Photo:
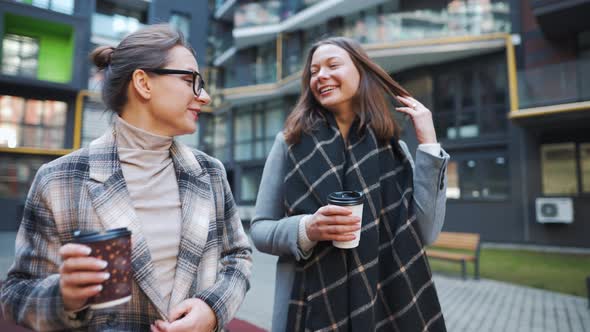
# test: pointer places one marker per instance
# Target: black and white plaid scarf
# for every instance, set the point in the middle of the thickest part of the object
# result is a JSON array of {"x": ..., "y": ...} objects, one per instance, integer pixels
[{"x": 385, "y": 283}]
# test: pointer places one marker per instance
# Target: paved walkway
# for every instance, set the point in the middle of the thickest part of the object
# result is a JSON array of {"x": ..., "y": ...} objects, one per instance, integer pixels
[
  {"x": 488, "y": 305},
  {"x": 470, "y": 305}
]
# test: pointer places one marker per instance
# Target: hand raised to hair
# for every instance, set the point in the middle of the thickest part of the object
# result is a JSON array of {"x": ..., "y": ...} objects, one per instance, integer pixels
[{"x": 421, "y": 118}]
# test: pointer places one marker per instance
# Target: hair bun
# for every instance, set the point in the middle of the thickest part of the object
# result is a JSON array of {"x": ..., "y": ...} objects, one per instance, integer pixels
[{"x": 102, "y": 56}]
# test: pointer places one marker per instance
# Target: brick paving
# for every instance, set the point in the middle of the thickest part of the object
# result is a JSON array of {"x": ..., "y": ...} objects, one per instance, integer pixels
[
  {"x": 470, "y": 305},
  {"x": 488, "y": 305}
]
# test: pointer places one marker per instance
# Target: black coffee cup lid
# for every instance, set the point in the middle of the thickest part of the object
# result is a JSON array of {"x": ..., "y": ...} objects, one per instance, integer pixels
[
  {"x": 346, "y": 198},
  {"x": 88, "y": 237}
]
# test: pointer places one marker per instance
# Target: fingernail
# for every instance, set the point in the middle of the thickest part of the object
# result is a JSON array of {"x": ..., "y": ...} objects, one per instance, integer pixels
[
  {"x": 106, "y": 275},
  {"x": 87, "y": 250},
  {"x": 103, "y": 264},
  {"x": 98, "y": 287}
]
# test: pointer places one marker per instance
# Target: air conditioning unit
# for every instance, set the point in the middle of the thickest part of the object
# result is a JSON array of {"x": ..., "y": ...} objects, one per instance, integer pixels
[{"x": 554, "y": 210}]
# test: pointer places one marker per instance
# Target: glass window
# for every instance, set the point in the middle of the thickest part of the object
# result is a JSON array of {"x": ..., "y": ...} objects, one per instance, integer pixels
[
  {"x": 220, "y": 136},
  {"x": 62, "y": 6},
  {"x": 206, "y": 128},
  {"x": 484, "y": 178},
  {"x": 471, "y": 101},
  {"x": 243, "y": 136},
  {"x": 95, "y": 120},
  {"x": 584, "y": 44},
  {"x": 249, "y": 182},
  {"x": 273, "y": 125},
  {"x": 259, "y": 152},
  {"x": 17, "y": 173},
  {"x": 255, "y": 130},
  {"x": 182, "y": 23},
  {"x": 33, "y": 112},
  {"x": 10, "y": 135},
  {"x": 496, "y": 184},
  {"x": 453, "y": 190},
  {"x": 191, "y": 140},
  {"x": 20, "y": 55},
  {"x": 32, "y": 123},
  {"x": 470, "y": 179},
  {"x": 585, "y": 166},
  {"x": 446, "y": 104},
  {"x": 11, "y": 109},
  {"x": 252, "y": 13},
  {"x": 558, "y": 164}
]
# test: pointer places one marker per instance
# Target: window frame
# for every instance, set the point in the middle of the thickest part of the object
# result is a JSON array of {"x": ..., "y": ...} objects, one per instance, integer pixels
[
  {"x": 456, "y": 69},
  {"x": 490, "y": 154},
  {"x": 580, "y": 192},
  {"x": 21, "y": 40}
]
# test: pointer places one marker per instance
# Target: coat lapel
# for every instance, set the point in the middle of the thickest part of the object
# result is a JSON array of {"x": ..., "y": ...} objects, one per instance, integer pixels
[
  {"x": 112, "y": 202},
  {"x": 197, "y": 204}
]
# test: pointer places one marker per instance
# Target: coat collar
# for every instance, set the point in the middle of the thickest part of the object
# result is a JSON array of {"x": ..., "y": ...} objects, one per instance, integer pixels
[{"x": 112, "y": 202}]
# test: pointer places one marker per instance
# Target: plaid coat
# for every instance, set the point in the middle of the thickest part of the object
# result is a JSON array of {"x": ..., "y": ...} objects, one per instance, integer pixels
[{"x": 86, "y": 190}]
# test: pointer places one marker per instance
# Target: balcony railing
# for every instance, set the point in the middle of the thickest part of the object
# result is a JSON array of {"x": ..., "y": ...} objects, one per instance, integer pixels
[
  {"x": 61, "y": 6},
  {"x": 560, "y": 83},
  {"x": 256, "y": 73},
  {"x": 114, "y": 27},
  {"x": 460, "y": 18},
  {"x": 221, "y": 43},
  {"x": 257, "y": 13}
]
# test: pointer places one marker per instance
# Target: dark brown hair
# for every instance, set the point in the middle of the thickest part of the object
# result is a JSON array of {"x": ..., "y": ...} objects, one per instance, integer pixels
[
  {"x": 372, "y": 107},
  {"x": 145, "y": 48}
]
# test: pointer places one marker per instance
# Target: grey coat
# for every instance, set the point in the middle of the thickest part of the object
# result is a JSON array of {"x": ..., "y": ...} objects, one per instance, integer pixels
[{"x": 274, "y": 233}]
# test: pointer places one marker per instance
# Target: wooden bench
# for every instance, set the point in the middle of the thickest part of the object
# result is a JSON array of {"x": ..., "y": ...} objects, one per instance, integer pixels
[{"x": 451, "y": 240}]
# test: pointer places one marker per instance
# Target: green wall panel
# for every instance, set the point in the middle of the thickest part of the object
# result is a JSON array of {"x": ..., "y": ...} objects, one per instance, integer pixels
[{"x": 56, "y": 45}]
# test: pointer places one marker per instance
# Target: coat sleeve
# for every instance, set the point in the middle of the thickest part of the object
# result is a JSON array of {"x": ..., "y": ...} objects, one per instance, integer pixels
[
  {"x": 227, "y": 293},
  {"x": 31, "y": 296},
  {"x": 430, "y": 187},
  {"x": 271, "y": 231}
]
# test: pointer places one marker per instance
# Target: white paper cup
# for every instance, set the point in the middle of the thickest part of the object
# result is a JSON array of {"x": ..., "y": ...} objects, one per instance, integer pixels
[{"x": 352, "y": 200}]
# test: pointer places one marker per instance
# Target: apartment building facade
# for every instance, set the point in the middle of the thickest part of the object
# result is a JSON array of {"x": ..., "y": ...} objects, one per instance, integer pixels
[
  {"x": 483, "y": 67},
  {"x": 48, "y": 104}
]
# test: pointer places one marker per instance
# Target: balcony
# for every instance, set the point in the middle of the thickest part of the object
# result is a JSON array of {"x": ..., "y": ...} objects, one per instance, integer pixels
[
  {"x": 459, "y": 19},
  {"x": 109, "y": 30},
  {"x": 61, "y": 6},
  {"x": 222, "y": 47},
  {"x": 562, "y": 83},
  {"x": 559, "y": 18},
  {"x": 259, "y": 22},
  {"x": 395, "y": 39},
  {"x": 253, "y": 74},
  {"x": 224, "y": 9},
  {"x": 35, "y": 50}
]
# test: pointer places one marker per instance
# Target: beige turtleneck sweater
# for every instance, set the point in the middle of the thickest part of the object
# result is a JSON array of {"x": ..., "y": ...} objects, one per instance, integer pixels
[{"x": 151, "y": 181}]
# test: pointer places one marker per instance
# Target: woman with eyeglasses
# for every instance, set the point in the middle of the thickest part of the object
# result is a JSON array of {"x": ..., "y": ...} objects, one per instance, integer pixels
[{"x": 190, "y": 257}]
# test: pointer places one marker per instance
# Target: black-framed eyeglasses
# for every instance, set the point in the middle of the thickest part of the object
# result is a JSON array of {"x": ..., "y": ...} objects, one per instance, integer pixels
[{"x": 198, "y": 83}]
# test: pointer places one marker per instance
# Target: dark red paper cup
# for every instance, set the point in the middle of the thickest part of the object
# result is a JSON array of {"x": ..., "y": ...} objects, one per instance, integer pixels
[{"x": 114, "y": 247}]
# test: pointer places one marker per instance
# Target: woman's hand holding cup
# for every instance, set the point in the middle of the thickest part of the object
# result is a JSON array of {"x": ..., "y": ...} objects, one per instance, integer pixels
[
  {"x": 332, "y": 223},
  {"x": 81, "y": 275}
]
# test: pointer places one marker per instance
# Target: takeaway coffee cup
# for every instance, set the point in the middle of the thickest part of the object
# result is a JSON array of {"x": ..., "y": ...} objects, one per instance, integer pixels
[
  {"x": 354, "y": 201},
  {"x": 114, "y": 247}
]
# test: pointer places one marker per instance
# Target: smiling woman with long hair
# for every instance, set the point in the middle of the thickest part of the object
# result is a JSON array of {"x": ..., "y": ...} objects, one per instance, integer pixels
[
  {"x": 341, "y": 137},
  {"x": 190, "y": 256}
]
